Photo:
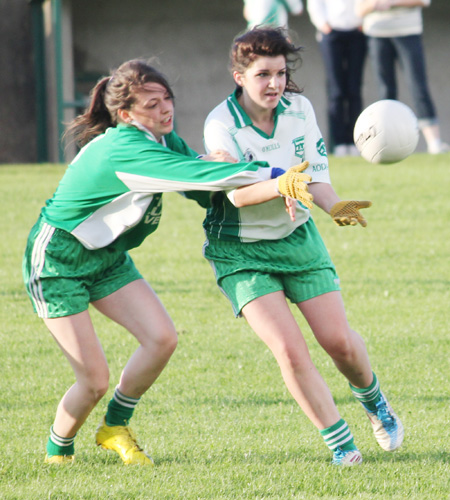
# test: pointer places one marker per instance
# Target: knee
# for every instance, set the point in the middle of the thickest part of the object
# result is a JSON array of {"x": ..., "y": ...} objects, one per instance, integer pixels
[
  {"x": 166, "y": 341},
  {"x": 343, "y": 347},
  {"x": 97, "y": 384},
  {"x": 293, "y": 358},
  {"x": 170, "y": 341},
  {"x": 94, "y": 391},
  {"x": 100, "y": 388}
]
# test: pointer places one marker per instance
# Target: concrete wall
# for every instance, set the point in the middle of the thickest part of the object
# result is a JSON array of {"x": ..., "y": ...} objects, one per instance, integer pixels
[
  {"x": 17, "y": 86},
  {"x": 191, "y": 39}
]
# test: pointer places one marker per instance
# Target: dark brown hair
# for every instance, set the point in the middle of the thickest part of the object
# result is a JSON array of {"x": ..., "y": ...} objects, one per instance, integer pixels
[
  {"x": 110, "y": 94},
  {"x": 261, "y": 41}
]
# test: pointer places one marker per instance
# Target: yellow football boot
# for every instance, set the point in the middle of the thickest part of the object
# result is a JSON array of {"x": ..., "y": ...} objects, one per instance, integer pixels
[
  {"x": 122, "y": 440},
  {"x": 59, "y": 459}
]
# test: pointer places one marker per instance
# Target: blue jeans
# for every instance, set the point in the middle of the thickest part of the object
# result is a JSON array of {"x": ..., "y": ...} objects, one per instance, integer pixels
[
  {"x": 408, "y": 50},
  {"x": 344, "y": 54}
]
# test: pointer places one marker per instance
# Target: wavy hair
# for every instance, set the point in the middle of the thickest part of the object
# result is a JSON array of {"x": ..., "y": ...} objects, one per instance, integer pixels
[{"x": 262, "y": 41}]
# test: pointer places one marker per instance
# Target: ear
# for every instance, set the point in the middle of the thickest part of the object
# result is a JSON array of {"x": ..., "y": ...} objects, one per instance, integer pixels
[
  {"x": 238, "y": 78},
  {"x": 124, "y": 115}
]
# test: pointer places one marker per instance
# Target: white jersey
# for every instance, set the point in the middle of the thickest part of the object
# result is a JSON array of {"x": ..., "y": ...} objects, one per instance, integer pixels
[
  {"x": 339, "y": 14},
  {"x": 296, "y": 138}
]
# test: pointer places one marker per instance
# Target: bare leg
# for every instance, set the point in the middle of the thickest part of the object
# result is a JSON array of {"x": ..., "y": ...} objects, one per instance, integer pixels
[
  {"x": 272, "y": 320},
  {"x": 326, "y": 316},
  {"x": 77, "y": 339},
  {"x": 137, "y": 308}
]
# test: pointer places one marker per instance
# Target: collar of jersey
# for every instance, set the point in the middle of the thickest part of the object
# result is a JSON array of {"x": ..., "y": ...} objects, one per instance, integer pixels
[
  {"x": 241, "y": 118},
  {"x": 146, "y": 131}
]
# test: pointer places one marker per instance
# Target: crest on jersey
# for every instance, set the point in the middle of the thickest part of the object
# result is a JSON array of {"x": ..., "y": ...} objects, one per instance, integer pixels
[
  {"x": 299, "y": 145},
  {"x": 249, "y": 155},
  {"x": 321, "y": 149}
]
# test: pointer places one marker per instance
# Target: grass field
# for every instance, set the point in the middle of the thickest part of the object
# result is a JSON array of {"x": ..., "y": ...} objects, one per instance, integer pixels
[{"x": 219, "y": 422}]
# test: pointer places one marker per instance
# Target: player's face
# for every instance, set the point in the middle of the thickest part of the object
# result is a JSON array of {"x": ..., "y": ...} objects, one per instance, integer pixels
[
  {"x": 153, "y": 109},
  {"x": 264, "y": 81}
]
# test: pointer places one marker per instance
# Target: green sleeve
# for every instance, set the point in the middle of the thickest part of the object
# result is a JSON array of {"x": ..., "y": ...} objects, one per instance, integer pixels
[
  {"x": 146, "y": 166},
  {"x": 176, "y": 143}
]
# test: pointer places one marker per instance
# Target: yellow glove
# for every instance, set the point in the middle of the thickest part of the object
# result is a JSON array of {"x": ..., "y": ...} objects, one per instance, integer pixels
[
  {"x": 345, "y": 213},
  {"x": 293, "y": 184}
]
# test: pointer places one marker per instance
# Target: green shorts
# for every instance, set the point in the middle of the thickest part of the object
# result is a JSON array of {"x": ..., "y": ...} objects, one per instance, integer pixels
[
  {"x": 298, "y": 264},
  {"x": 62, "y": 276}
]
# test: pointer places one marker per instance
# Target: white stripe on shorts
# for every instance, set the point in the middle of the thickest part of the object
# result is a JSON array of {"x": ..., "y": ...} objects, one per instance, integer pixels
[{"x": 37, "y": 264}]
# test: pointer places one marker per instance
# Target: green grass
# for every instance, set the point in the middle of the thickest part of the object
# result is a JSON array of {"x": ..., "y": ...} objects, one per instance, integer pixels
[{"x": 219, "y": 422}]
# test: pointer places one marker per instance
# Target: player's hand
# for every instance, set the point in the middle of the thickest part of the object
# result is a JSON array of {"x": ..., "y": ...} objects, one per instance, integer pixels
[
  {"x": 291, "y": 206},
  {"x": 346, "y": 213},
  {"x": 293, "y": 184},
  {"x": 219, "y": 155}
]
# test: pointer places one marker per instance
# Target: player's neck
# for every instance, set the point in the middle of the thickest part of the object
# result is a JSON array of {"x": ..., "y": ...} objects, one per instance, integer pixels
[{"x": 260, "y": 117}]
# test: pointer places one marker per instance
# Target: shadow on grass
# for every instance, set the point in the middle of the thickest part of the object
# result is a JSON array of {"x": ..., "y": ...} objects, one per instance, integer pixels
[
  {"x": 411, "y": 457},
  {"x": 302, "y": 456},
  {"x": 229, "y": 402},
  {"x": 244, "y": 458}
]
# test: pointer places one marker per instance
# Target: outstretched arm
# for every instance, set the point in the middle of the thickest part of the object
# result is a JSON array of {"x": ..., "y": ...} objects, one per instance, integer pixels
[
  {"x": 343, "y": 213},
  {"x": 256, "y": 193},
  {"x": 291, "y": 184},
  {"x": 324, "y": 195}
]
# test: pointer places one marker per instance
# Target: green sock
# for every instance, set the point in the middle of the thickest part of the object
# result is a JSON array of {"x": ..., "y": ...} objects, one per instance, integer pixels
[
  {"x": 57, "y": 445},
  {"x": 339, "y": 435},
  {"x": 120, "y": 409},
  {"x": 368, "y": 396}
]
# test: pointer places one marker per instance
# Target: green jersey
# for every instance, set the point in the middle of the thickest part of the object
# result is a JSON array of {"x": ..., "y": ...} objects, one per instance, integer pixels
[
  {"x": 111, "y": 192},
  {"x": 295, "y": 138},
  {"x": 271, "y": 12}
]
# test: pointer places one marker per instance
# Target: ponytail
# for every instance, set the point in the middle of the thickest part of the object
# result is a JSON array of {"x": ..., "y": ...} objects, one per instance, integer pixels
[{"x": 95, "y": 120}]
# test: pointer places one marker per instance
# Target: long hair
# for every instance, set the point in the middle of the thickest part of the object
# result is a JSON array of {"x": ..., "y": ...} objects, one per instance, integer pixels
[
  {"x": 110, "y": 94},
  {"x": 262, "y": 41}
]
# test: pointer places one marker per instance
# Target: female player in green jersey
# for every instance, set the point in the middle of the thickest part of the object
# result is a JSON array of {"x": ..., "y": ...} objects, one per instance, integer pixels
[
  {"x": 107, "y": 202},
  {"x": 262, "y": 255}
]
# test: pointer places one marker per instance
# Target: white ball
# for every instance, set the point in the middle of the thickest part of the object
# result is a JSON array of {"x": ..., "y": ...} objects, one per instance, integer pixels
[{"x": 386, "y": 132}]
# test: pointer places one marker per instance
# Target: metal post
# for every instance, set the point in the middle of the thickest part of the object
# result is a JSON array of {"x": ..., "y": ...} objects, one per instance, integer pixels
[
  {"x": 56, "y": 26},
  {"x": 37, "y": 20}
]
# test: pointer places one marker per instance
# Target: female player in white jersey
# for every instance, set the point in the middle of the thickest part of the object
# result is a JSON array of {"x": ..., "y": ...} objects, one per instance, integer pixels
[
  {"x": 108, "y": 201},
  {"x": 262, "y": 255}
]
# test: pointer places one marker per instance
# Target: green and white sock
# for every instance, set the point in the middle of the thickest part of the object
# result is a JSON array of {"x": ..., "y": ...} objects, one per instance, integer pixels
[
  {"x": 368, "y": 396},
  {"x": 57, "y": 445},
  {"x": 338, "y": 435},
  {"x": 120, "y": 409}
]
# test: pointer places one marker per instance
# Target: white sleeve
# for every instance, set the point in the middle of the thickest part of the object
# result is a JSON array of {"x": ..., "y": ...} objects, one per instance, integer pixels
[
  {"x": 317, "y": 12},
  {"x": 230, "y": 195},
  {"x": 216, "y": 136}
]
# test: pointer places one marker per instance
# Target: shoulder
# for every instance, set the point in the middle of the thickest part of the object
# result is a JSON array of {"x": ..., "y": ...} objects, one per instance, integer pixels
[
  {"x": 220, "y": 113},
  {"x": 296, "y": 105},
  {"x": 297, "y": 101}
]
